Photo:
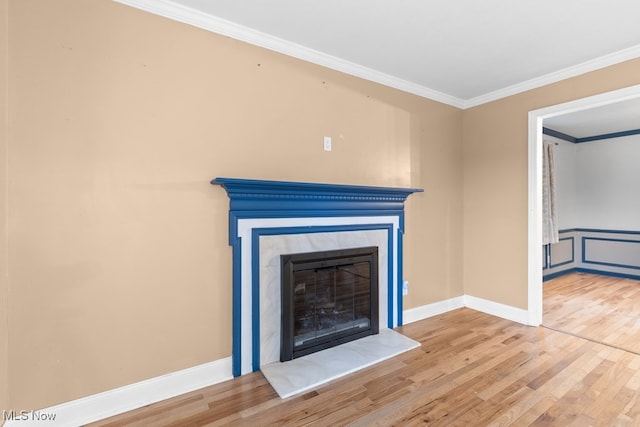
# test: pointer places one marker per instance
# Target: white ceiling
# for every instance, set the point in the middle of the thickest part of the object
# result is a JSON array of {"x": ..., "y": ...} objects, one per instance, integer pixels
[{"x": 460, "y": 52}]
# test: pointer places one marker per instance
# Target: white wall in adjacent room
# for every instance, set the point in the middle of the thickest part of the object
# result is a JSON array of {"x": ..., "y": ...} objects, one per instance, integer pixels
[
  {"x": 608, "y": 184},
  {"x": 598, "y": 184}
]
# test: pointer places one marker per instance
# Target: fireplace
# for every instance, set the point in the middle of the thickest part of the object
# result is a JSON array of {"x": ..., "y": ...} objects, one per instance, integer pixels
[
  {"x": 271, "y": 218},
  {"x": 328, "y": 298}
]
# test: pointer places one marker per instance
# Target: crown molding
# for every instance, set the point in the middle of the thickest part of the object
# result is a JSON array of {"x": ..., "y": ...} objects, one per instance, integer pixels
[
  {"x": 196, "y": 18},
  {"x": 177, "y": 12},
  {"x": 576, "y": 70}
]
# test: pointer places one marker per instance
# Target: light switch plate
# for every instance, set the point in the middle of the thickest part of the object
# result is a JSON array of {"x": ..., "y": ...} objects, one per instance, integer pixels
[{"x": 327, "y": 143}]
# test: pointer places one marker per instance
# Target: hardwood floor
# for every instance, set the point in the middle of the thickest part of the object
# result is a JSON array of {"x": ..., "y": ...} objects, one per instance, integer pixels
[
  {"x": 472, "y": 369},
  {"x": 600, "y": 308}
]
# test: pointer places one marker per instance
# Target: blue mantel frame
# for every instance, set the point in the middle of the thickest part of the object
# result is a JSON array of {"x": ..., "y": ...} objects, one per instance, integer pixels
[
  {"x": 275, "y": 198},
  {"x": 250, "y": 198}
]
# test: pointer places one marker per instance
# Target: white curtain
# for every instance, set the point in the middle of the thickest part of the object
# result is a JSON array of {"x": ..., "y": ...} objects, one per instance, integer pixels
[{"x": 549, "y": 211}]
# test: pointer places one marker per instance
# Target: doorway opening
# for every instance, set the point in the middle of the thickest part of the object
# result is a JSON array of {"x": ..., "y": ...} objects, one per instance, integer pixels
[{"x": 536, "y": 120}]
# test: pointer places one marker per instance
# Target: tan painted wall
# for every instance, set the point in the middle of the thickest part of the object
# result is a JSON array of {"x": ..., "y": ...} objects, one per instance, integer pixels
[
  {"x": 495, "y": 181},
  {"x": 118, "y": 120},
  {"x": 433, "y": 238},
  {"x": 4, "y": 289}
]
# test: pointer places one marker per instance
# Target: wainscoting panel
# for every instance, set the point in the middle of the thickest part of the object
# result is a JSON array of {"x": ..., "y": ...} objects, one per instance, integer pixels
[
  {"x": 612, "y": 252},
  {"x": 562, "y": 253},
  {"x": 560, "y": 257}
]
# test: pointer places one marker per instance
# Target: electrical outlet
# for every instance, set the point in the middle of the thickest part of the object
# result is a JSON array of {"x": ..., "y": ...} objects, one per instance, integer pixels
[
  {"x": 327, "y": 143},
  {"x": 405, "y": 287}
]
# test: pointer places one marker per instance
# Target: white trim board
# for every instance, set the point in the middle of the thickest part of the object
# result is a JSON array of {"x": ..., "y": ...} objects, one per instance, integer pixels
[
  {"x": 479, "y": 304},
  {"x": 122, "y": 399},
  {"x": 497, "y": 309},
  {"x": 424, "y": 312}
]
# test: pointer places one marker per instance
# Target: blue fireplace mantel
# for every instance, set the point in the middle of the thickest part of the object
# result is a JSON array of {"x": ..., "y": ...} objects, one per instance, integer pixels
[
  {"x": 295, "y": 199},
  {"x": 254, "y": 203}
]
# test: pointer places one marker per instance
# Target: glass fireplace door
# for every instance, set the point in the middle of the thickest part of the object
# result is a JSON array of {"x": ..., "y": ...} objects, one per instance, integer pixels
[{"x": 328, "y": 298}]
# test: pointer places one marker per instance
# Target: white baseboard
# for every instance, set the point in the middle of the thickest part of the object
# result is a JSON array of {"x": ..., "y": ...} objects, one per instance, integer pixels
[
  {"x": 494, "y": 308},
  {"x": 122, "y": 399},
  {"x": 423, "y": 312}
]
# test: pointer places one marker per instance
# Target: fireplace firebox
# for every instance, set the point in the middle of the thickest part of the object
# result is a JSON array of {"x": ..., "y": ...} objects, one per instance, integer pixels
[{"x": 328, "y": 298}]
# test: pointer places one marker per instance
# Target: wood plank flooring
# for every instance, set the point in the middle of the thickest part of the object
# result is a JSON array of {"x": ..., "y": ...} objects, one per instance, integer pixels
[
  {"x": 600, "y": 308},
  {"x": 472, "y": 369}
]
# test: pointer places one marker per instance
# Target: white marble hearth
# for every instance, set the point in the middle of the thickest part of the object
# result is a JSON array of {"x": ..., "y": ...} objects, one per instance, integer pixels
[{"x": 305, "y": 373}]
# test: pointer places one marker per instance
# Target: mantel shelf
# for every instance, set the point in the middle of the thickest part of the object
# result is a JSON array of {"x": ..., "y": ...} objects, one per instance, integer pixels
[{"x": 247, "y": 195}]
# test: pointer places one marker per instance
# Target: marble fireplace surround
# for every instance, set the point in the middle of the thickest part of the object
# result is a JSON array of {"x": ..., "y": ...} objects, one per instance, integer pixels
[{"x": 270, "y": 218}]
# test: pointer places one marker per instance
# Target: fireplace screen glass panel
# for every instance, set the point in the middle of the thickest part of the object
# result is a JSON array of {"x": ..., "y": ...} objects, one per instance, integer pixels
[
  {"x": 328, "y": 300},
  {"x": 331, "y": 300}
]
